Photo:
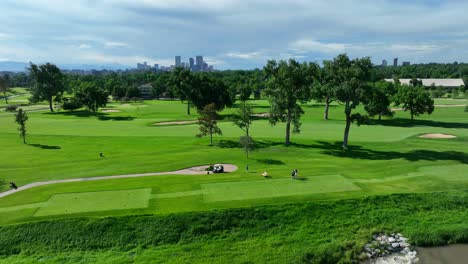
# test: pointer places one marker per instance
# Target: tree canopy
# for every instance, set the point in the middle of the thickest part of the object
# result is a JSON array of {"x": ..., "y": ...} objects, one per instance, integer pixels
[
  {"x": 414, "y": 99},
  {"x": 48, "y": 83},
  {"x": 288, "y": 84},
  {"x": 350, "y": 79}
]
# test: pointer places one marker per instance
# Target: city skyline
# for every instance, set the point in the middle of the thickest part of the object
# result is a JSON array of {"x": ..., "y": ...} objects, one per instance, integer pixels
[{"x": 231, "y": 34}]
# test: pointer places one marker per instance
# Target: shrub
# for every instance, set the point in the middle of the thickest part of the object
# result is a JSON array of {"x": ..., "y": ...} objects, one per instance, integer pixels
[
  {"x": 466, "y": 108},
  {"x": 11, "y": 108},
  {"x": 71, "y": 104}
]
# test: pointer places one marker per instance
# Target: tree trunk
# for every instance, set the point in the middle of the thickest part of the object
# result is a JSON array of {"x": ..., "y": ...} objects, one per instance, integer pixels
[
  {"x": 50, "y": 105},
  {"x": 346, "y": 132},
  {"x": 288, "y": 131},
  {"x": 211, "y": 137},
  {"x": 412, "y": 115},
  {"x": 327, "y": 106},
  {"x": 24, "y": 139},
  {"x": 6, "y": 98},
  {"x": 348, "y": 125},
  {"x": 188, "y": 107},
  {"x": 380, "y": 116}
]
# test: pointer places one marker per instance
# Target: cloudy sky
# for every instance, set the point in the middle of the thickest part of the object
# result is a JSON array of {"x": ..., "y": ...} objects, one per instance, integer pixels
[{"x": 231, "y": 34}]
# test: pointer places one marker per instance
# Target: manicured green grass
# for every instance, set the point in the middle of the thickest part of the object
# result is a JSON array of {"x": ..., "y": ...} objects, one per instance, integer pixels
[
  {"x": 249, "y": 190},
  {"x": 72, "y": 203},
  {"x": 384, "y": 157}
]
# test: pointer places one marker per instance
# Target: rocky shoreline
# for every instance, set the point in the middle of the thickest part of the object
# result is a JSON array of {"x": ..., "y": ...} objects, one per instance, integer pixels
[{"x": 393, "y": 248}]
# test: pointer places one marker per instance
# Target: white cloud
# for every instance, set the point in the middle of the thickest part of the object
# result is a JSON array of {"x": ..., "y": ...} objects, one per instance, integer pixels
[
  {"x": 5, "y": 36},
  {"x": 115, "y": 44},
  {"x": 310, "y": 45},
  {"x": 244, "y": 56},
  {"x": 84, "y": 46},
  {"x": 413, "y": 47}
]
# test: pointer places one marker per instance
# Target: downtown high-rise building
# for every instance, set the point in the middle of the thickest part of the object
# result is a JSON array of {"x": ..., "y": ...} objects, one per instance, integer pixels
[
  {"x": 384, "y": 63},
  {"x": 198, "y": 63},
  {"x": 395, "y": 62},
  {"x": 178, "y": 61},
  {"x": 191, "y": 63}
]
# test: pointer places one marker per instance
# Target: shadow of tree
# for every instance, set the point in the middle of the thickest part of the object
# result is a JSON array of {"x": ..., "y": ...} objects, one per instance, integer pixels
[
  {"x": 358, "y": 152},
  {"x": 44, "y": 146},
  {"x": 101, "y": 116},
  {"x": 270, "y": 161},
  {"x": 259, "y": 144},
  {"x": 404, "y": 122}
]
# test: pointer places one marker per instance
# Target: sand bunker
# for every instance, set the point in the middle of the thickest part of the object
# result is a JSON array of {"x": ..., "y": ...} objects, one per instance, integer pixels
[
  {"x": 437, "y": 135},
  {"x": 110, "y": 111},
  {"x": 262, "y": 115},
  {"x": 175, "y": 123}
]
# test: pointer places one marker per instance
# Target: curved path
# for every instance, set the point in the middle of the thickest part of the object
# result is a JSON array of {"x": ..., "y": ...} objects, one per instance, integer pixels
[{"x": 192, "y": 170}]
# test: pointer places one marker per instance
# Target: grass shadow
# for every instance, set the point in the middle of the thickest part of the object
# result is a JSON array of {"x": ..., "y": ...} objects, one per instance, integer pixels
[
  {"x": 44, "y": 146},
  {"x": 259, "y": 144},
  {"x": 270, "y": 161},
  {"x": 358, "y": 152},
  {"x": 302, "y": 179},
  {"x": 100, "y": 116},
  {"x": 405, "y": 122}
]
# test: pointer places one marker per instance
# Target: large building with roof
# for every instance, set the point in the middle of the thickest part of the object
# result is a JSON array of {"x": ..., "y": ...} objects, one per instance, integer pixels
[{"x": 447, "y": 83}]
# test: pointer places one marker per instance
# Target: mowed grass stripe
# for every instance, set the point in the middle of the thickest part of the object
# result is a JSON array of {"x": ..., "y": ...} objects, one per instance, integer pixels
[
  {"x": 266, "y": 188},
  {"x": 71, "y": 203}
]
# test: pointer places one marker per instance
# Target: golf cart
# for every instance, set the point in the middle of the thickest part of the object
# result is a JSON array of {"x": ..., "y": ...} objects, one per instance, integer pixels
[{"x": 218, "y": 168}]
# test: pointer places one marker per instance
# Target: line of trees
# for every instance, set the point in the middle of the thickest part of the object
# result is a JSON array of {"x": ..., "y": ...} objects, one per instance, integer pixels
[
  {"x": 286, "y": 84},
  {"x": 346, "y": 81}
]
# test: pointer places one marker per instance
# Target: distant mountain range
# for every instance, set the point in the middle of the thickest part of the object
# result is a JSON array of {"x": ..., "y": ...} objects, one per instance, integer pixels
[{"x": 16, "y": 66}]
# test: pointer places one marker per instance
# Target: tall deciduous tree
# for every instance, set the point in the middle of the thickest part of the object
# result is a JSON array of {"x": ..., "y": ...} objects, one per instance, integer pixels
[
  {"x": 208, "y": 122},
  {"x": 350, "y": 78},
  {"x": 414, "y": 99},
  {"x": 20, "y": 118},
  {"x": 90, "y": 95},
  {"x": 323, "y": 89},
  {"x": 208, "y": 90},
  {"x": 182, "y": 82},
  {"x": 288, "y": 84},
  {"x": 243, "y": 118},
  {"x": 5, "y": 86},
  {"x": 379, "y": 100},
  {"x": 48, "y": 82}
]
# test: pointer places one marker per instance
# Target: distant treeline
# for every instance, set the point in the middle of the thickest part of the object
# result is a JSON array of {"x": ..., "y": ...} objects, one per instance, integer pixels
[{"x": 254, "y": 77}]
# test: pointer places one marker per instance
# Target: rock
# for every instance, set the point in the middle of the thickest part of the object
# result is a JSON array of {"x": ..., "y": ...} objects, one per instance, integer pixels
[
  {"x": 391, "y": 239},
  {"x": 395, "y": 245}
]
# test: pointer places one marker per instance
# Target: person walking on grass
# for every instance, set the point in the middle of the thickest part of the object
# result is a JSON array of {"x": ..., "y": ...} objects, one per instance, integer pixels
[{"x": 293, "y": 174}]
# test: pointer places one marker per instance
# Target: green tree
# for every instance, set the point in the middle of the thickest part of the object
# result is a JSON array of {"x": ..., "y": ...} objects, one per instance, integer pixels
[
  {"x": 5, "y": 86},
  {"x": 90, "y": 95},
  {"x": 244, "y": 91},
  {"x": 350, "y": 78},
  {"x": 208, "y": 122},
  {"x": 247, "y": 144},
  {"x": 288, "y": 83},
  {"x": 243, "y": 118},
  {"x": 323, "y": 89},
  {"x": 181, "y": 81},
  {"x": 208, "y": 90},
  {"x": 48, "y": 82},
  {"x": 379, "y": 100},
  {"x": 20, "y": 118},
  {"x": 414, "y": 99}
]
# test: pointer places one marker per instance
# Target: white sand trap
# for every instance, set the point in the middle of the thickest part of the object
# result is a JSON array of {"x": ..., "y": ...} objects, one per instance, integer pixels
[
  {"x": 262, "y": 115},
  {"x": 110, "y": 111},
  {"x": 175, "y": 123},
  {"x": 191, "y": 170},
  {"x": 437, "y": 135}
]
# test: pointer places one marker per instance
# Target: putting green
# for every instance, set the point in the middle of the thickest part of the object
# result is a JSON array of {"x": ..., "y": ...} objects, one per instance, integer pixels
[
  {"x": 72, "y": 203},
  {"x": 265, "y": 188}
]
